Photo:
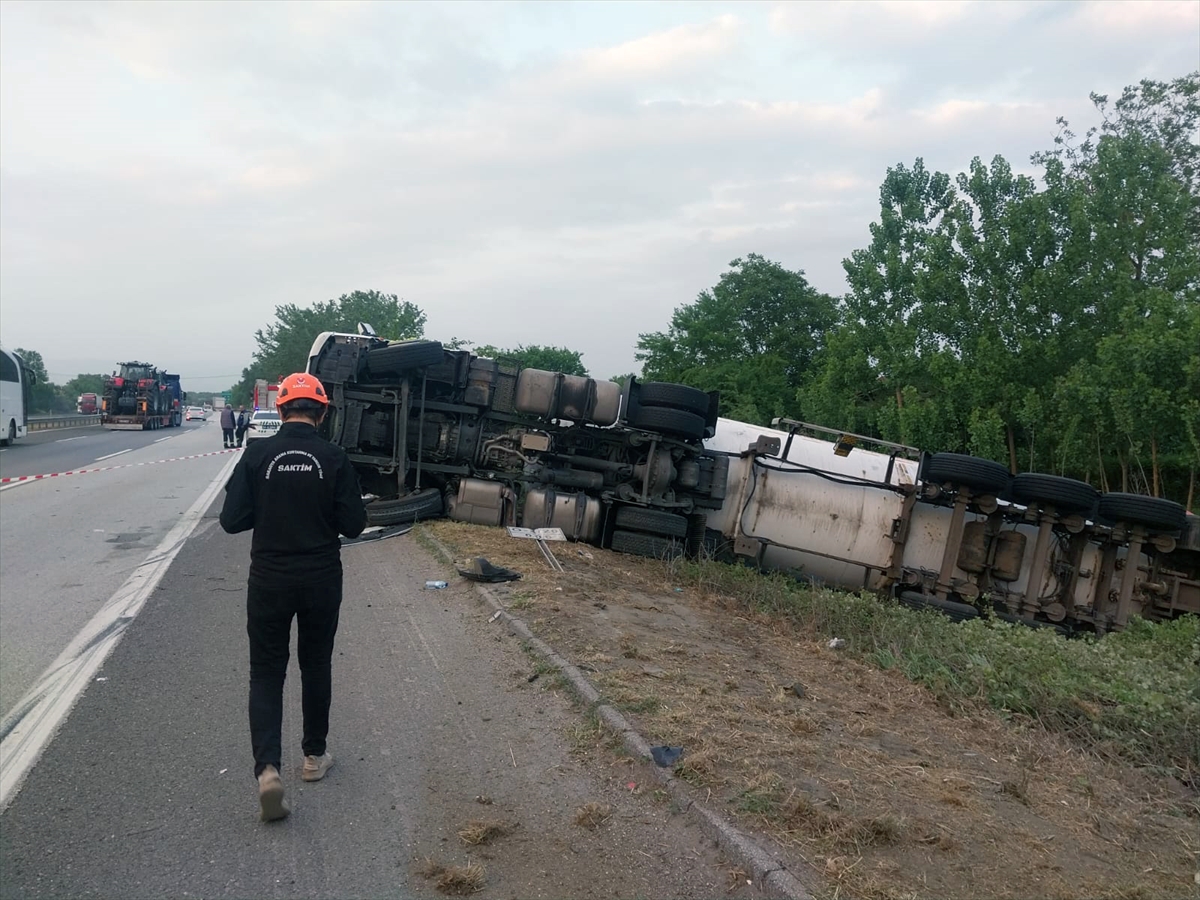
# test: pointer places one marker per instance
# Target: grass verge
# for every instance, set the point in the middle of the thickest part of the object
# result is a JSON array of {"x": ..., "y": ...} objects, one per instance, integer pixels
[{"x": 1134, "y": 694}]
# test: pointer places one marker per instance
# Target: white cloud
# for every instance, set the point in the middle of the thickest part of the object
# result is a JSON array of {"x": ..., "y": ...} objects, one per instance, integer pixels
[
  {"x": 522, "y": 179},
  {"x": 684, "y": 48}
]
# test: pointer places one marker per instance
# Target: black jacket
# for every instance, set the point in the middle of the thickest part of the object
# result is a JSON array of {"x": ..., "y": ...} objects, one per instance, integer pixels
[{"x": 298, "y": 492}]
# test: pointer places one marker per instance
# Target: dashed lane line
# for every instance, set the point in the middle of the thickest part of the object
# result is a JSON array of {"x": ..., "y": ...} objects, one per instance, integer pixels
[{"x": 33, "y": 722}]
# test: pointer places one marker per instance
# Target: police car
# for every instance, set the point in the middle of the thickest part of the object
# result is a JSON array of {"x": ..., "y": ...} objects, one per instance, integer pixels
[{"x": 264, "y": 423}]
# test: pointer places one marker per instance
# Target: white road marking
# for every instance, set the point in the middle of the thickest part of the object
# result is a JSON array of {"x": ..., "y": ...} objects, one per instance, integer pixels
[
  {"x": 82, "y": 437},
  {"x": 33, "y": 722},
  {"x": 160, "y": 440},
  {"x": 111, "y": 455}
]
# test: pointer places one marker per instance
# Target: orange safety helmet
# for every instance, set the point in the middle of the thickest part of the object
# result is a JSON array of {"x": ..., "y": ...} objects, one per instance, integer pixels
[{"x": 300, "y": 386}]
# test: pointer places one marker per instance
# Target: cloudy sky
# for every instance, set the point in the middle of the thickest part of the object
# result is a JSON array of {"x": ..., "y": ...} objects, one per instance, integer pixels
[{"x": 542, "y": 172}]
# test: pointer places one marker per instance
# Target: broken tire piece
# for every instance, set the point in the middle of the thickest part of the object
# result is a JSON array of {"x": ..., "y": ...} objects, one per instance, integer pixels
[
  {"x": 665, "y": 757},
  {"x": 479, "y": 569}
]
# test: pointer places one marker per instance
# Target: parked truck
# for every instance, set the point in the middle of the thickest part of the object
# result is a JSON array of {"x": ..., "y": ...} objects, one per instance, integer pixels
[
  {"x": 87, "y": 404},
  {"x": 650, "y": 468},
  {"x": 265, "y": 394},
  {"x": 140, "y": 397}
]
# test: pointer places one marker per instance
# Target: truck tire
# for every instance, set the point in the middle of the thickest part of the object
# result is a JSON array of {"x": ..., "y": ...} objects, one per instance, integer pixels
[
  {"x": 969, "y": 471},
  {"x": 649, "y": 545},
  {"x": 675, "y": 422},
  {"x": 403, "y": 356},
  {"x": 673, "y": 396},
  {"x": 1154, "y": 513},
  {"x": 1065, "y": 494},
  {"x": 651, "y": 521},
  {"x": 426, "y": 504}
]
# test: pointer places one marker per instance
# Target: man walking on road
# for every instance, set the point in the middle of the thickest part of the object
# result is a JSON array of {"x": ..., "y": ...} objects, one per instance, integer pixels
[
  {"x": 298, "y": 492},
  {"x": 228, "y": 423}
]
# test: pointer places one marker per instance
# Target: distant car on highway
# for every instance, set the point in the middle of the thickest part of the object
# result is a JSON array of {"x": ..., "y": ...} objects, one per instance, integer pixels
[
  {"x": 263, "y": 424},
  {"x": 195, "y": 412}
]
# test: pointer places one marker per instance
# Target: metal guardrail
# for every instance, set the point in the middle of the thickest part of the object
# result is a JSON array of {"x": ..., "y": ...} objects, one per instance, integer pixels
[{"x": 45, "y": 423}]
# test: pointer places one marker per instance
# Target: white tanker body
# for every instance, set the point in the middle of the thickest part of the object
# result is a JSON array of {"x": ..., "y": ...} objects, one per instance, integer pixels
[{"x": 945, "y": 530}]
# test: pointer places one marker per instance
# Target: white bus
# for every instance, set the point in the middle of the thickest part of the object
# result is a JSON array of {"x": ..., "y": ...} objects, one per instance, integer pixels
[{"x": 15, "y": 385}]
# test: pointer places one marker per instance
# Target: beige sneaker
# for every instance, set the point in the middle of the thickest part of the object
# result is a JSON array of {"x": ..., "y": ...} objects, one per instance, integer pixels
[
  {"x": 315, "y": 767},
  {"x": 270, "y": 795}
]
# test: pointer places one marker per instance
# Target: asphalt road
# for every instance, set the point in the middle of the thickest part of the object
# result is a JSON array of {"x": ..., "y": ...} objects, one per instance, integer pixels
[
  {"x": 148, "y": 789},
  {"x": 66, "y": 544},
  {"x": 63, "y": 449}
]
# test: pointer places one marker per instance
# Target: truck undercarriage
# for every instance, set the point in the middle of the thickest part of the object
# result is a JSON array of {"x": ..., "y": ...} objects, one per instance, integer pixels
[{"x": 649, "y": 468}]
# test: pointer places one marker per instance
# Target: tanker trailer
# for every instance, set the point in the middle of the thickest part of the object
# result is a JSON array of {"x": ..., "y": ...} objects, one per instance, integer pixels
[
  {"x": 952, "y": 532},
  {"x": 650, "y": 469}
]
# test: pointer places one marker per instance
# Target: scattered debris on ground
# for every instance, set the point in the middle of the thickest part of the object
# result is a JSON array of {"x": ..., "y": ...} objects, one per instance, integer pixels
[{"x": 859, "y": 778}]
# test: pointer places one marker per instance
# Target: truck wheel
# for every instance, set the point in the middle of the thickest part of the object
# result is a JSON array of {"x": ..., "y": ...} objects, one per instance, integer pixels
[
  {"x": 676, "y": 422},
  {"x": 646, "y": 545},
  {"x": 1154, "y": 513},
  {"x": 403, "y": 356},
  {"x": 673, "y": 396},
  {"x": 1066, "y": 494},
  {"x": 652, "y": 521},
  {"x": 426, "y": 504},
  {"x": 969, "y": 471}
]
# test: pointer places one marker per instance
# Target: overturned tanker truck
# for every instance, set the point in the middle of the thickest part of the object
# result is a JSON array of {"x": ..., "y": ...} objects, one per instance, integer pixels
[{"x": 650, "y": 468}]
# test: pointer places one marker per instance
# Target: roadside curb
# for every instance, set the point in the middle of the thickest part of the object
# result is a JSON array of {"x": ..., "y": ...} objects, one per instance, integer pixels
[{"x": 763, "y": 867}]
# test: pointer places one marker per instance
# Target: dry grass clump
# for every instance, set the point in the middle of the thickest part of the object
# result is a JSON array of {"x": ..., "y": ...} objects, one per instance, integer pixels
[
  {"x": 800, "y": 816},
  {"x": 456, "y": 880},
  {"x": 592, "y": 815},
  {"x": 481, "y": 831}
]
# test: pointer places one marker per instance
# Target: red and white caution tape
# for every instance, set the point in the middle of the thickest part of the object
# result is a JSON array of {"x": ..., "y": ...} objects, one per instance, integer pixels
[{"x": 153, "y": 462}]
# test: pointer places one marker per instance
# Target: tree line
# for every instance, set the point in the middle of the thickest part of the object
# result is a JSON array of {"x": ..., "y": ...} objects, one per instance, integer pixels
[
  {"x": 1050, "y": 323},
  {"x": 48, "y": 398}
]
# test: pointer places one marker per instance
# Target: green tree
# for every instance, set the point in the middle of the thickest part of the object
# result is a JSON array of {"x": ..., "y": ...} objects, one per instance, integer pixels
[
  {"x": 83, "y": 384},
  {"x": 754, "y": 336},
  {"x": 44, "y": 396},
  {"x": 283, "y": 346},
  {"x": 551, "y": 359},
  {"x": 34, "y": 363}
]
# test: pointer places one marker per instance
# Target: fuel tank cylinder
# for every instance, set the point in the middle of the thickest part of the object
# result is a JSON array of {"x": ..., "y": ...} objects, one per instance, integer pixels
[
  {"x": 552, "y": 395},
  {"x": 578, "y": 515}
]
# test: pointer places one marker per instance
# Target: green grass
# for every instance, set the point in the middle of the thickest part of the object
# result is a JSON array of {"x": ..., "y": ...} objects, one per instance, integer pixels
[{"x": 1134, "y": 694}]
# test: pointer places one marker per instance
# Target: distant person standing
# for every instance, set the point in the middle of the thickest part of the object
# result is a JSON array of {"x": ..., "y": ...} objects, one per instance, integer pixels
[
  {"x": 298, "y": 492},
  {"x": 243, "y": 422},
  {"x": 228, "y": 424}
]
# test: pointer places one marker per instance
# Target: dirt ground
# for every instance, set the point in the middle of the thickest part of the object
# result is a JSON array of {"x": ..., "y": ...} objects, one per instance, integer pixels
[{"x": 857, "y": 777}]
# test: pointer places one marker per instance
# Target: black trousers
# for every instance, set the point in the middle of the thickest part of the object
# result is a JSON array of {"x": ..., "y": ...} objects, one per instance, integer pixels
[
  {"x": 227, "y": 434},
  {"x": 269, "y": 613},
  {"x": 241, "y": 435}
]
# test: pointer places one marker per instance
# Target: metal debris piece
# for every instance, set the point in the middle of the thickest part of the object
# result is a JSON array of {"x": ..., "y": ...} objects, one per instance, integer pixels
[{"x": 541, "y": 535}]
